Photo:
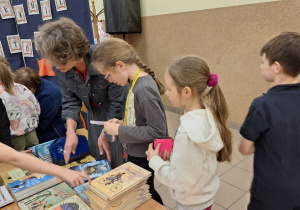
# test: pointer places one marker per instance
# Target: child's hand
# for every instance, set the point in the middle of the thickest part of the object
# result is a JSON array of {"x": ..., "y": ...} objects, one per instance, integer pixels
[
  {"x": 151, "y": 152},
  {"x": 166, "y": 155},
  {"x": 111, "y": 128},
  {"x": 74, "y": 178},
  {"x": 116, "y": 121}
]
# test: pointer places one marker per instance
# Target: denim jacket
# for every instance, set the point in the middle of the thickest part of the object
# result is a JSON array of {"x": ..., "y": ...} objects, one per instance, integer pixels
[{"x": 108, "y": 96}]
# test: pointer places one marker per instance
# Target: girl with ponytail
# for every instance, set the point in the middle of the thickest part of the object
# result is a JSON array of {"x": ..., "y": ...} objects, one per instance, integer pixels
[{"x": 144, "y": 118}]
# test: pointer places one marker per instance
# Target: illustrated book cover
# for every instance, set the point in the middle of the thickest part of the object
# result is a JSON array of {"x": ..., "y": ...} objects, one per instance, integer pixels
[
  {"x": 13, "y": 175},
  {"x": 5, "y": 197},
  {"x": 73, "y": 202},
  {"x": 81, "y": 190},
  {"x": 93, "y": 169},
  {"x": 118, "y": 180},
  {"x": 47, "y": 198},
  {"x": 30, "y": 185},
  {"x": 86, "y": 159}
]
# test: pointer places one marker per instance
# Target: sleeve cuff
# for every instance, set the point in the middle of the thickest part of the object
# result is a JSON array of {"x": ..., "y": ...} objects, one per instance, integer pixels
[{"x": 156, "y": 162}]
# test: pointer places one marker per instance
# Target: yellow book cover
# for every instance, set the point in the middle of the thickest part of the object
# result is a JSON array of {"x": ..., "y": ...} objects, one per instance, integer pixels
[
  {"x": 13, "y": 175},
  {"x": 119, "y": 180},
  {"x": 86, "y": 159},
  {"x": 73, "y": 202}
]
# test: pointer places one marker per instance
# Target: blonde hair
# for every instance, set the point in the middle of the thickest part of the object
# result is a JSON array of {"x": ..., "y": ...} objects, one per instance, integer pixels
[
  {"x": 112, "y": 50},
  {"x": 193, "y": 72},
  {"x": 7, "y": 78},
  {"x": 4, "y": 61},
  {"x": 61, "y": 40}
]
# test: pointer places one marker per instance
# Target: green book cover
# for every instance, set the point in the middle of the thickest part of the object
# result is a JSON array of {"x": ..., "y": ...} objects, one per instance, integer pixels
[{"x": 47, "y": 198}]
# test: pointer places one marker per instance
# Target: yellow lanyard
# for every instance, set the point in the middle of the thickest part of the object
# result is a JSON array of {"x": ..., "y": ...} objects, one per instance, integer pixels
[{"x": 136, "y": 76}]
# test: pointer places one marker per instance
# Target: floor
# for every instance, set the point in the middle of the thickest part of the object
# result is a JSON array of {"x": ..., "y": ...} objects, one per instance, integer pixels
[{"x": 236, "y": 177}]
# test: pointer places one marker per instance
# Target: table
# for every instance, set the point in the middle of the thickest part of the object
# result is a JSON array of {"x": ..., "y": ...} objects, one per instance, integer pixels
[{"x": 148, "y": 205}]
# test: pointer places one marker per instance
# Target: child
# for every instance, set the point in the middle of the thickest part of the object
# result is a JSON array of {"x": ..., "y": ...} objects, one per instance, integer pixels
[
  {"x": 33, "y": 164},
  {"x": 202, "y": 138},
  {"x": 22, "y": 108},
  {"x": 272, "y": 127},
  {"x": 145, "y": 118}
]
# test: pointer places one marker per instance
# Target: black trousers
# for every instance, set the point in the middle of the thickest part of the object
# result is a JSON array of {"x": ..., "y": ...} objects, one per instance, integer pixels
[
  {"x": 256, "y": 204},
  {"x": 143, "y": 162}
]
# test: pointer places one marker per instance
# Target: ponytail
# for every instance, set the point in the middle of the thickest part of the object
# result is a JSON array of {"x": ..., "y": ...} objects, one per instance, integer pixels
[{"x": 215, "y": 100}]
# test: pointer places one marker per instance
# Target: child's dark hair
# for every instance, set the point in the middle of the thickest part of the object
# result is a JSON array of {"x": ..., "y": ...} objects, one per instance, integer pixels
[
  {"x": 193, "y": 72},
  {"x": 112, "y": 50},
  {"x": 285, "y": 49}
]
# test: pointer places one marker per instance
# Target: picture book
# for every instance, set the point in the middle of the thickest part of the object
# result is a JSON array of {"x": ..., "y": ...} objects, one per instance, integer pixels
[
  {"x": 93, "y": 169},
  {"x": 81, "y": 190},
  {"x": 47, "y": 198},
  {"x": 119, "y": 180},
  {"x": 30, "y": 185},
  {"x": 73, "y": 202},
  {"x": 13, "y": 175},
  {"x": 41, "y": 149},
  {"x": 5, "y": 197},
  {"x": 86, "y": 159}
]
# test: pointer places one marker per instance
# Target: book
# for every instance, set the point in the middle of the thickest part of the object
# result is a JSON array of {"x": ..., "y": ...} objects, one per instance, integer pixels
[
  {"x": 5, "y": 197},
  {"x": 73, "y": 202},
  {"x": 30, "y": 185},
  {"x": 47, "y": 198},
  {"x": 119, "y": 180},
  {"x": 81, "y": 190},
  {"x": 42, "y": 151},
  {"x": 13, "y": 175},
  {"x": 93, "y": 169},
  {"x": 86, "y": 159}
]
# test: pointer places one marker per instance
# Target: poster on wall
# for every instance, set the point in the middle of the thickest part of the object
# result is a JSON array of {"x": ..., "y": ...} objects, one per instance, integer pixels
[
  {"x": 14, "y": 43},
  {"x": 20, "y": 14},
  {"x": 6, "y": 9},
  {"x": 46, "y": 10},
  {"x": 35, "y": 34},
  {"x": 33, "y": 8},
  {"x": 60, "y": 5},
  {"x": 1, "y": 50},
  {"x": 27, "y": 47}
]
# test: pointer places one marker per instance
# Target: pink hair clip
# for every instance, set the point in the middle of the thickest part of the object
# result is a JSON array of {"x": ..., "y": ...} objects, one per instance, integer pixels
[{"x": 213, "y": 80}]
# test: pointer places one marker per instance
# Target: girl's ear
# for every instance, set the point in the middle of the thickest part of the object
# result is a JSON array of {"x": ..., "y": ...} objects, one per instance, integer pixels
[
  {"x": 121, "y": 64},
  {"x": 187, "y": 92}
]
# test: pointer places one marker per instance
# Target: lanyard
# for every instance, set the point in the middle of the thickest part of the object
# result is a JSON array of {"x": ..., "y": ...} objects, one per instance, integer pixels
[{"x": 136, "y": 76}]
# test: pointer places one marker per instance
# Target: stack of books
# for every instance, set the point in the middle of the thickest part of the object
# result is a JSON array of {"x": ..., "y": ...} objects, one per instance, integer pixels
[
  {"x": 93, "y": 169},
  {"x": 5, "y": 197},
  {"x": 73, "y": 202},
  {"x": 13, "y": 175},
  {"x": 30, "y": 185},
  {"x": 42, "y": 151},
  {"x": 123, "y": 187},
  {"x": 48, "y": 197}
]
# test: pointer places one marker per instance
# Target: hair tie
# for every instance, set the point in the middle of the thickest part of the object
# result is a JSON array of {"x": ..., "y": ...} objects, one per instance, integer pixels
[{"x": 213, "y": 80}]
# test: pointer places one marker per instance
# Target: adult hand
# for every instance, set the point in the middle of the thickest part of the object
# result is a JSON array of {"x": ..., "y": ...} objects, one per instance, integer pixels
[
  {"x": 151, "y": 152},
  {"x": 70, "y": 145},
  {"x": 114, "y": 120},
  {"x": 111, "y": 128},
  {"x": 103, "y": 145},
  {"x": 74, "y": 178}
]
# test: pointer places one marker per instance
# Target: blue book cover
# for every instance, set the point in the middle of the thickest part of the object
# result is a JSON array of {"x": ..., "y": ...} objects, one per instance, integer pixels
[
  {"x": 93, "y": 169},
  {"x": 26, "y": 183},
  {"x": 80, "y": 190},
  {"x": 43, "y": 149}
]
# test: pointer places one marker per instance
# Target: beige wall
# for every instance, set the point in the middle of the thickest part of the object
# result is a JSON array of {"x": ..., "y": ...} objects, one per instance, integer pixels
[{"x": 229, "y": 39}]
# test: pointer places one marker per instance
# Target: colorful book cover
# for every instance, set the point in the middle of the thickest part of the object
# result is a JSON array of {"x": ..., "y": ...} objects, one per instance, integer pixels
[
  {"x": 93, "y": 169},
  {"x": 5, "y": 197},
  {"x": 73, "y": 202},
  {"x": 47, "y": 198},
  {"x": 81, "y": 190},
  {"x": 43, "y": 149},
  {"x": 13, "y": 175},
  {"x": 24, "y": 184},
  {"x": 119, "y": 180},
  {"x": 86, "y": 159}
]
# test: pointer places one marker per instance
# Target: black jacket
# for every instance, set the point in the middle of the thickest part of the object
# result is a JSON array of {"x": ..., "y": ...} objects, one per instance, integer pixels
[{"x": 5, "y": 137}]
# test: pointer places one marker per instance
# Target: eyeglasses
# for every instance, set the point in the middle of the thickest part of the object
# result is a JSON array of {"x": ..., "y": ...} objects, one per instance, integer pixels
[{"x": 107, "y": 76}]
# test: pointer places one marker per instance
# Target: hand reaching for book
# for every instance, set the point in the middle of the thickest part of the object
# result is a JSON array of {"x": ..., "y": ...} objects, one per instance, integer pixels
[
  {"x": 103, "y": 145},
  {"x": 74, "y": 178}
]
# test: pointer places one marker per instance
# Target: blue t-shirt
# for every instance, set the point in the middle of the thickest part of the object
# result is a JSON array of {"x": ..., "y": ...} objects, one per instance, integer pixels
[{"x": 273, "y": 124}]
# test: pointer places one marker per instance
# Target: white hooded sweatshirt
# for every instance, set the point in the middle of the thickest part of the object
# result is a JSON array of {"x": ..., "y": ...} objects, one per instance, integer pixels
[{"x": 191, "y": 173}]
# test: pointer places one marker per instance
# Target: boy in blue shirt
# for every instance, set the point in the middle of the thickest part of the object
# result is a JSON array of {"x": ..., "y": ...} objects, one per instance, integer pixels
[{"x": 272, "y": 130}]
